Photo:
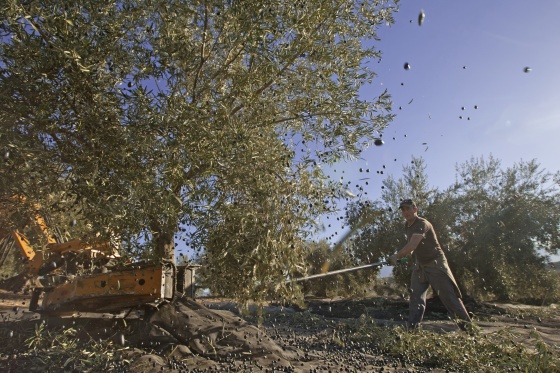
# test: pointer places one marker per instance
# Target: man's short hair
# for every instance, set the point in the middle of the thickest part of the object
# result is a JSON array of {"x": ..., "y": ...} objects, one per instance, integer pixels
[{"x": 407, "y": 202}]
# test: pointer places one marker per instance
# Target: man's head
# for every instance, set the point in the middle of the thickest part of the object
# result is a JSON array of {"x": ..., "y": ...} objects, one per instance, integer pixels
[
  {"x": 407, "y": 202},
  {"x": 409, "y": 210}
]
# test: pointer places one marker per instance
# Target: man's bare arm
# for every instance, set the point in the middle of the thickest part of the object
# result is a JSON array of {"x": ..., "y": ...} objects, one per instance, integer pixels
[{"x": 407, "y": 249}]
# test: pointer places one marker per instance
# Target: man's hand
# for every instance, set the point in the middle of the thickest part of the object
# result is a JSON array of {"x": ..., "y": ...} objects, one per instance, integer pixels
[{"x": 393, "y": 259}]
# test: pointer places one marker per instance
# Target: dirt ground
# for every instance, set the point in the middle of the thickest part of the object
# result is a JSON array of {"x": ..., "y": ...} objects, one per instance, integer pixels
[{"x": 214, "y": 335}]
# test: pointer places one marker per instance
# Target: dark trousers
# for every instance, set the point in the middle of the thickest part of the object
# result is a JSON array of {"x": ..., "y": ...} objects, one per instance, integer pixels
[{"x": 439, "y": 276}]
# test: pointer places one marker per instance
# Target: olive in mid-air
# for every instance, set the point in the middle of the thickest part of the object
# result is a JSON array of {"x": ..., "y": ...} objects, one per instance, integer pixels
[
  {"x": 421, "y": 17},
  {"x": 406, "y": 66},
  {"x": 527, "y": 70},
  {"x": 378, "y": 142}
]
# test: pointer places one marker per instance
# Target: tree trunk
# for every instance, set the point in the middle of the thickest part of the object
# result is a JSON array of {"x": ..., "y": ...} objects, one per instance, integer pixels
[
  {"x": 165, "y": 246},
  {"x": 163, "y": 241}
]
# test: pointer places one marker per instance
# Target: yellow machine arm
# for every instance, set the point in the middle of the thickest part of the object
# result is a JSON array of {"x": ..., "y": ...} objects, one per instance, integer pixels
[
  {"x": 109, "y": 292},
  {"x": 59, "y": 288}
]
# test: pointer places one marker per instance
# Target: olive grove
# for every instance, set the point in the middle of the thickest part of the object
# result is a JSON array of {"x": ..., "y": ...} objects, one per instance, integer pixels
[{"x": 497, "y": 226}]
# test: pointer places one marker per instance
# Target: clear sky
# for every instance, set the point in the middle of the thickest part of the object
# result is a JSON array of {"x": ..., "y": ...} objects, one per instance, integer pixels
[
  {"x": 469, "y": 53},
  {"x": 466, "y": 53}
]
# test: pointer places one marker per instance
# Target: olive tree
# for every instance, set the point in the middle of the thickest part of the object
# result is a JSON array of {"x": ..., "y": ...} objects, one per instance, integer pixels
[
  {"x": 505, "y": 225},
  {"x": 496, "y": 226},
  {"x": 204, "y": 120},
  {"x": 383, "y": 234},
  {"x": 352, "y": 283}
]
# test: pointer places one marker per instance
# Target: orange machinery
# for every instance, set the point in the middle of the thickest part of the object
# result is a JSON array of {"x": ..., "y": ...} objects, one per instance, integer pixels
[{"x": 59, "y": 283}]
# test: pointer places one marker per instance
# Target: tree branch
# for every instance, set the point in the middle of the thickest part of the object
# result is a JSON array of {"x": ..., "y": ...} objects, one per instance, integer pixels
[{"x": 202, "y": 51}]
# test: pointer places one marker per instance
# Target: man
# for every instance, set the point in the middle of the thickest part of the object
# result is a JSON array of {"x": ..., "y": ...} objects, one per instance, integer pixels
[{"x": 430, "y": 268}]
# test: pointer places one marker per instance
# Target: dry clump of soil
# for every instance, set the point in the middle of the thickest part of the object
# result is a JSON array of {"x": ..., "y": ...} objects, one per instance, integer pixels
[{"x": 210, "y": 335}]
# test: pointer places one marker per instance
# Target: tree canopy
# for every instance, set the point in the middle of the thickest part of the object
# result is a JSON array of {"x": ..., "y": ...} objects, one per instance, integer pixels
[
  {"x": 202, "y": 120},
  {"x": 506, "y": 226}
]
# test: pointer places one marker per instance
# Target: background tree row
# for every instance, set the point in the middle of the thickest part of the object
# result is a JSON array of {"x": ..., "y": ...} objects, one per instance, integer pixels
[{"x": 497, "y": 227}]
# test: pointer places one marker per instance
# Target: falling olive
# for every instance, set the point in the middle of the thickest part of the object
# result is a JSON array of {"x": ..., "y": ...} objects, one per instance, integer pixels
[
  {"x": 406, "y": 66},
  {"x": 421, "y": 17},
  {"x": 527, "y": 70},
  {"x": 378, "y": 142}
]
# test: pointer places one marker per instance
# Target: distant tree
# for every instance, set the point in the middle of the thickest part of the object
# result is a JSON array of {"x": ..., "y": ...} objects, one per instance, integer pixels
[
  {"x": 495, "y": 225},
  {"x": 205, "y": 121},
  {"x": 506, "y": 222},
  {"x": 384, "y": 235},
  {"x": 353, "y": 283}
]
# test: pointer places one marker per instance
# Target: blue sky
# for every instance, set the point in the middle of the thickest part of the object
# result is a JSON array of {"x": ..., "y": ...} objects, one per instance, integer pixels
[
  {"x": 466, "y": 53},
  {"x": 469, "y": 53}
]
